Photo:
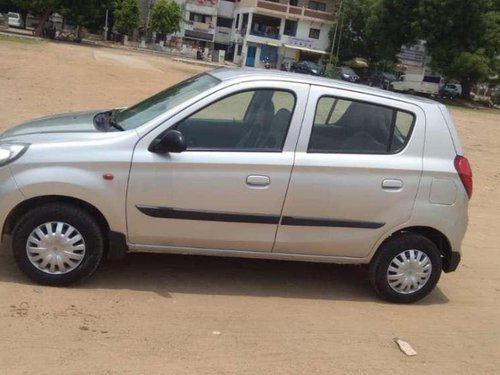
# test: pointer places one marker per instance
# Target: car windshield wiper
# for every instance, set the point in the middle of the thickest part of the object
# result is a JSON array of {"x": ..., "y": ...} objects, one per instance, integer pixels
[
  {"x": 106, "y": 120},
  {"x": 113, "y": 122}
]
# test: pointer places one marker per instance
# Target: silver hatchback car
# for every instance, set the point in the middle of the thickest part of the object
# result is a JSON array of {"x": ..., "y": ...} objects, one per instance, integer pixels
[{"x": 245, "y": 163}]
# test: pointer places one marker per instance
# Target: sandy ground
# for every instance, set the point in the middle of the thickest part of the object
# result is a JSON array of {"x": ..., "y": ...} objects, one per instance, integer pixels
[{"x": 153, "y": 314}]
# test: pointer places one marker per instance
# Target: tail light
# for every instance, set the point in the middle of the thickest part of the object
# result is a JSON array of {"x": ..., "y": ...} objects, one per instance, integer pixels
[{"x": 464, "y": 171}]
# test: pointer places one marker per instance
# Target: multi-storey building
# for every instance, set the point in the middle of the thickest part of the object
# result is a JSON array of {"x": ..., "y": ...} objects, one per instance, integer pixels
[
  {"x": 281, "y": 31},
  {"x": 253, "y": 32}
]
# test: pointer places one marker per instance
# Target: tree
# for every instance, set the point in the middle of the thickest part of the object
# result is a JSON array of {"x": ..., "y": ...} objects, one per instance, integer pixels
[
  {"x": 463, "y": 38},
  {"x": 76, "y": 12},
  {"x": 374, "y": 29},
  {"x": 126, "y": 15},
  {"x": 166, "y": 17}
]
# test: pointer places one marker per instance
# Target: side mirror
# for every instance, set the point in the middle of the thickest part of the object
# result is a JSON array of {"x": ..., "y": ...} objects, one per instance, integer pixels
[{"x": 170, "y": 141}]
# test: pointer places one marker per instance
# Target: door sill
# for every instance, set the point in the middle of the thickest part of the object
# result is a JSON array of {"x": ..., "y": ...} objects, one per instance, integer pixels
[{"x": 245, "y": 254}]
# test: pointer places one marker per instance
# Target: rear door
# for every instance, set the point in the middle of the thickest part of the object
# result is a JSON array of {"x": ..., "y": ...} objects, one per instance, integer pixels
[{"x": 356, "y": 173}]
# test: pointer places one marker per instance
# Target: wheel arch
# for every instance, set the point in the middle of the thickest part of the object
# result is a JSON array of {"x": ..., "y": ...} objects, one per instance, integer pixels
[
  {"x": 437, "y": 237},
  {"x": 22, "y": 208}
]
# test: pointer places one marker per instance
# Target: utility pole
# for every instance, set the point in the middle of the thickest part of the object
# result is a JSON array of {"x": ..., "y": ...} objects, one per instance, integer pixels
[
  {"x": 340, "y": 38},
  {"x": 106, "y": 27},
  {"x": 335, "y": 33}
]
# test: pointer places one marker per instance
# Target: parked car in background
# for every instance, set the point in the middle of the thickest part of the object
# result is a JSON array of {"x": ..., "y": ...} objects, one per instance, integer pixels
[
  {"x": 452, "y": 90},
  {"x": 257, "y": 164},
  {"x": 307, "y": 67},
  {"x": 381, "y": 79},
  {"x": 15, "y": 19},
  {"x": 418, "y": 84},
  {"x": 347, "y": 74}
]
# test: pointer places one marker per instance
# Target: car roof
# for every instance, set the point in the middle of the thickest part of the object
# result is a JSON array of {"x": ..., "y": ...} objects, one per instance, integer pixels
[{"x": 251, "y": 74}]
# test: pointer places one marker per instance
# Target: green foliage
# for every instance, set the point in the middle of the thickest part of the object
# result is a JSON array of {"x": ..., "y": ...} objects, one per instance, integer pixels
[
  {"x": 374, "y": 29},
  {"x": 37, "y": 7},
  {"x": 463, "y": 37},
  {"x": 83, "y": 12},
  {"x": 166, "y": 17},
  {"x": 126, "y": 15},
  {"x": 75, "y": 12}
]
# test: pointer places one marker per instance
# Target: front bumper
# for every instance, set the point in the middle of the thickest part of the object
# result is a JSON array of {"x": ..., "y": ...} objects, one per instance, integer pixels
[{"x": 10, "y": 197}]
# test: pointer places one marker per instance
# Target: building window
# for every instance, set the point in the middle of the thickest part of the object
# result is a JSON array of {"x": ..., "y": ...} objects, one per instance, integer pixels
[
  {"x": 196, "y": 17},
  {"x": 293, "y": 2},
  {"x": 317, "y": 5},
  {"x": 237, "y": 24},
  {"x": 314, "y": 33},
  {"x": 245, "y": 21},
  {"x": 290, "y": 28},
  {"x": 238, "y": 50},
  {"x": 224, "y": 22}
]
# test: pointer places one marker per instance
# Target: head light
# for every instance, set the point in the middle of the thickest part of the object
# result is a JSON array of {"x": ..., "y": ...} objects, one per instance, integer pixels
[{"x": 11, "y": 151}]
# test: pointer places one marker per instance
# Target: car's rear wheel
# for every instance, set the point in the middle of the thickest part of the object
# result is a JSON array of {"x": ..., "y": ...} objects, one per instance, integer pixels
[
  {"x": 57, "y": 244},
  {"x": 406, "y": 268}
]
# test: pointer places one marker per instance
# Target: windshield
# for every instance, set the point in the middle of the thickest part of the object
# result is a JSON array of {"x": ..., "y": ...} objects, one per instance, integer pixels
[{"x": 165, "y": 100}]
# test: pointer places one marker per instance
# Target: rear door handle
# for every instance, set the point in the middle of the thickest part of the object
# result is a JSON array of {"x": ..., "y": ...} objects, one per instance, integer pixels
[
  {"x": 258, "y": 180},
  {"x": 392, "y": 184}
]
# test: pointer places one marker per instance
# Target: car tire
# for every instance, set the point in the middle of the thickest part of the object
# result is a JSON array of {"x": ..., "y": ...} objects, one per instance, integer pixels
[
  {"x": 406, "y": 268},
  {"x": 57, "y": 244}
]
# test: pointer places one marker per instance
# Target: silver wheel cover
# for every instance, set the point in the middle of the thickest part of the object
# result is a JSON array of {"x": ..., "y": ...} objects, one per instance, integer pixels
[
  {"x": 409, "y": 271},
  {"x": 55, "y": 248}
]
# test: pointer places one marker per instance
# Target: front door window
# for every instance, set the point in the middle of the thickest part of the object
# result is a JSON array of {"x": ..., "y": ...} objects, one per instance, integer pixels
[{"x": 254, "y": 120}]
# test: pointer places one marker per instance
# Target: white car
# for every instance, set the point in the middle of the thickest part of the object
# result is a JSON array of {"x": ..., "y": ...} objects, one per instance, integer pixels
[
  {"x": 452, "y": 90},
  {"x": 15, "y": 19},
  {"x": 243, "y": 163}
]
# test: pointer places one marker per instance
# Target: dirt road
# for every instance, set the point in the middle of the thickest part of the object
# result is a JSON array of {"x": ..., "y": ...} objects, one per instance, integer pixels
[{"x": 153, "y": 314}]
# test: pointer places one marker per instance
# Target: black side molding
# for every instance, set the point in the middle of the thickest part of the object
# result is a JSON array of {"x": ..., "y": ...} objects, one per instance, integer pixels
[
  {"x": 174, "y": 213},
  {"x": 316, "y": 222}
]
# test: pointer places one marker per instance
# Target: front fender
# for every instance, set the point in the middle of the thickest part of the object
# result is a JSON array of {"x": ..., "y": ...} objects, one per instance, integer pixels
[{"x": 86, "y": 184}]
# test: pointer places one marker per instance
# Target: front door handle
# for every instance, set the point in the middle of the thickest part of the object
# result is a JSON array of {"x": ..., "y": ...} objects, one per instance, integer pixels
[
  {"x": 258, "y": 180},
  {"x": 392, "y": 184}
]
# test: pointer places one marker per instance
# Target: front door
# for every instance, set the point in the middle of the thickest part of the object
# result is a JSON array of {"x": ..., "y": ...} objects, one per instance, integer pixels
[
  {"x": 356, "y": 174},
  {"x": 227, "y": 190}
]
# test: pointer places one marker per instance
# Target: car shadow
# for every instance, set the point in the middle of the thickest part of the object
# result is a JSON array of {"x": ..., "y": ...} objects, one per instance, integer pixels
[{"x": 166, "y": 274}]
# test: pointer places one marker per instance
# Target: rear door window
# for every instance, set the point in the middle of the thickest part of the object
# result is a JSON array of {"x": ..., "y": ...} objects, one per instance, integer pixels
[{"x": 348, "y": 126}]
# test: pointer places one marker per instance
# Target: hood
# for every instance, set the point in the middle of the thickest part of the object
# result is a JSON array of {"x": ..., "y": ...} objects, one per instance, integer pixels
[{"x": 78, "y": 122}]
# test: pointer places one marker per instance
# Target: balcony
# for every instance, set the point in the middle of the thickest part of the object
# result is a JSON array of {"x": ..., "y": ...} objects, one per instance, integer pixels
[
  {"x": 199, "y": 30},
  {"x": 266, "y": 34},
  {"x": 291, "y": 11}
]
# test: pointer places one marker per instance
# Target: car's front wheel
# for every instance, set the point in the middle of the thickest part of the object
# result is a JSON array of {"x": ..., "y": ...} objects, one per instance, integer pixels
[
  {"x": 406, "y": 268},
  {"x": 57, "y": 244}
]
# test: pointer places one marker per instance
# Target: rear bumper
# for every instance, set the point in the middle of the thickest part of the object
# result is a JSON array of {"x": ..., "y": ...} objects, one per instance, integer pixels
[{"x": 451, "y": 262}]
